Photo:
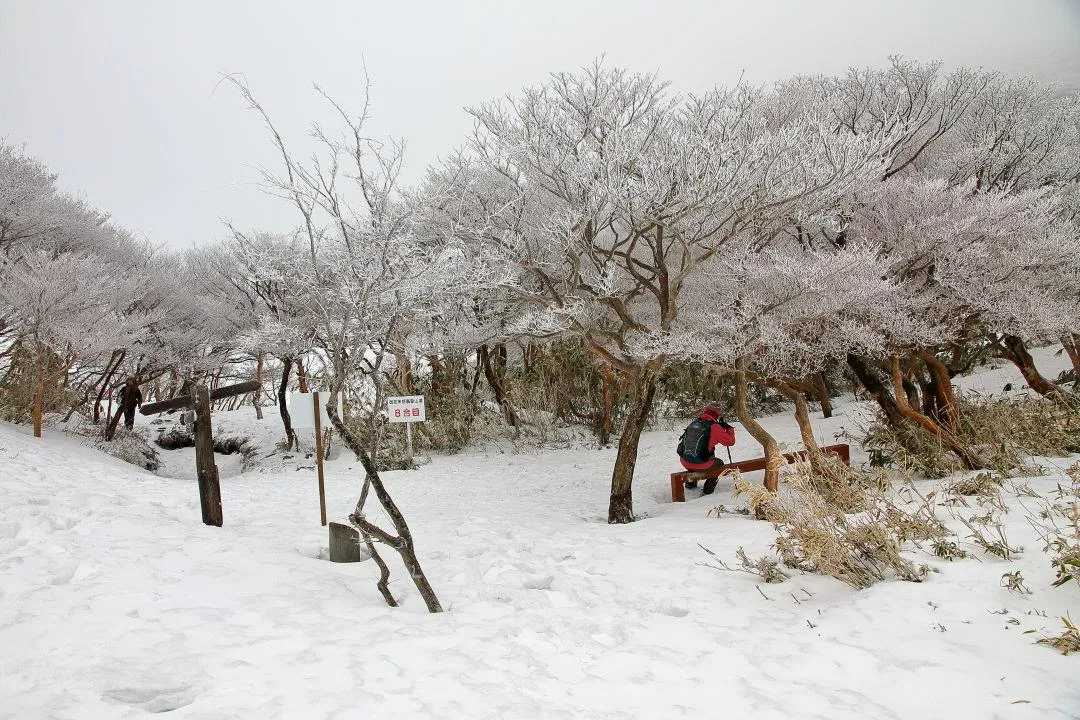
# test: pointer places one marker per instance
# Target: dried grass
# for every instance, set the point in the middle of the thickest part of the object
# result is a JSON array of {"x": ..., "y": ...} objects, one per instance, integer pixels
[
  {"x": 844, "y": 524},
  {"x": 764, "y": 567},
  {"x": 1004, "y": 432},
  {"x": 1059, "y": 527},
  {"x": 1065, "y": 643}
]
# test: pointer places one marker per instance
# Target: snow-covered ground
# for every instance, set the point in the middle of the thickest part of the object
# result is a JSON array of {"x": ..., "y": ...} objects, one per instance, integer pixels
[{"x": 116, "y": 602}]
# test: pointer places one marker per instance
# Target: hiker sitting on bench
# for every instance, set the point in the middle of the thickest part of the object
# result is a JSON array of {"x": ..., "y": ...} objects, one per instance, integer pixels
[{"x": 698, "y": 444}]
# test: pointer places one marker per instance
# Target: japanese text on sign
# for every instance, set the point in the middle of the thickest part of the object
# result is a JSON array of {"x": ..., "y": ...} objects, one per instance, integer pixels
[{"x": 406, "y": 408}]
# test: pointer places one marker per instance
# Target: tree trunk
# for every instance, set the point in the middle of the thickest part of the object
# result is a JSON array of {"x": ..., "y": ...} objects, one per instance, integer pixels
[
  {"x": 383, "y": 583},
  {"x": 606, "y": 425},
  {"x": 774, "y": 459},
  {"x": 94, "y": 388},
  {"x": 39, "y": 389},
  {"x": 105, "y": 386},
  {"x": 301, "y": 376},
  {"x": 878, "y": 389},
  {"x": 283, "y": 388},
  {"x": 1017, "y": 352},
  {"x": 643, "y": 388},
  {"x": 256, "y": 397},
  {"x": 806, "y": 430},
  {"x": 942, "y": 386},
  {"x": 404, "y": 372},
  {"x": 822, "y": 392},
  {"x": 946, "y": 436},
  {"x": 403, "y": 542},
  {"x": 1071, "y": 343},
  {"x": 930, "y": 394},
  {"x": 494, "y": 371}
]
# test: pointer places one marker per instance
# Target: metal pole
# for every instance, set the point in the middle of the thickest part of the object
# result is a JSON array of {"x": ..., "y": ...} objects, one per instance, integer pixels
[
  {"x": 408, "y": 440},
  {"x": 319, "y": 456}
]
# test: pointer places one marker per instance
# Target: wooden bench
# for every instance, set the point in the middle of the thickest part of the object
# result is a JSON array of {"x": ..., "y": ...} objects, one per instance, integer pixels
[{"x": 678, "y": 494}]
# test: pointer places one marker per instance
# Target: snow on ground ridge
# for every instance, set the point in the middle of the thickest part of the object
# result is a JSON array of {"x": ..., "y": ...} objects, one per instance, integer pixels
[{"x": 116, "y": 602}]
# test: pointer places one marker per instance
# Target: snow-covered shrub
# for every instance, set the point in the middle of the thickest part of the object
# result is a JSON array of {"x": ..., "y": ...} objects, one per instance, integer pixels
[
  {"x": 128, "y": 445},
  {"x": 854, "y": 531},
  {"x": 1003, "y": 431}
]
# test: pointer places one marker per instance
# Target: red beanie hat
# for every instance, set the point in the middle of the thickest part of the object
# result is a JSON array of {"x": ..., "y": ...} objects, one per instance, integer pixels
[{"x": 712, "y": 412}]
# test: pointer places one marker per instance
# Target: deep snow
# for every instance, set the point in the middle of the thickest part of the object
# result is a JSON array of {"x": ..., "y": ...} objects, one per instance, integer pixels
[{"x": 116, "y": 602}]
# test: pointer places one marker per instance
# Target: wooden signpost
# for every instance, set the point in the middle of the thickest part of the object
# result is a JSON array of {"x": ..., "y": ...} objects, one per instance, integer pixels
[
  {"x": 319, "y": 455},
  {"x": 406, "y": 409},
  {"x": 199, "y": 401},
  {"x": 307, "y": 411}
]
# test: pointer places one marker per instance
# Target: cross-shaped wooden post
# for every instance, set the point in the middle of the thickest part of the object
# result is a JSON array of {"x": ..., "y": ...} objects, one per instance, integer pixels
[{"x": 199, "y": 401}]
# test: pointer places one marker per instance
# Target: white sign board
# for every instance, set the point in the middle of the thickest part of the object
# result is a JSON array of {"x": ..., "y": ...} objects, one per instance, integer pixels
[
  {"x": 302, "y": 410},
  {"x": 406, "y": 408}
]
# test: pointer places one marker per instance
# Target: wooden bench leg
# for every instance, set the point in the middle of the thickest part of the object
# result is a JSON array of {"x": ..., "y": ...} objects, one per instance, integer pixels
[{"x": 678, "y": 492}]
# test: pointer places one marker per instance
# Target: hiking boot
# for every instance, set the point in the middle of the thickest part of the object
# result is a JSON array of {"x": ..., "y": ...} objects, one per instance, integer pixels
[
  {"x": 690, "y": 484},
  {"x": 709, "y": 486}
]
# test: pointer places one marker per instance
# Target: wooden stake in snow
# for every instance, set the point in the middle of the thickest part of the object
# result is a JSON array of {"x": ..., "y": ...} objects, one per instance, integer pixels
[
  {"x": 319, "y": 455},
  {"x": 199, "y": 401}
]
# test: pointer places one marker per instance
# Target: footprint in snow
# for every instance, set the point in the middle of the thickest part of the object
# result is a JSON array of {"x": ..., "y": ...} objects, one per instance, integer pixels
[
  {"x": 154, "y": 700},
  {"x": 538, "y": 582}
]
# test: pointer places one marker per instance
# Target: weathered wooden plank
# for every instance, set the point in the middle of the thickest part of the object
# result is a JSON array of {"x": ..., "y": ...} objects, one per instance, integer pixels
[
  {"x": 178, "y": 403},
  {"x": 209, "y": 487}
]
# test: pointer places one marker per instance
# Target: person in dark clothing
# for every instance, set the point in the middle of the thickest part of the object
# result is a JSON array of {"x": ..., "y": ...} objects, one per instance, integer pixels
[
  {"x": 720, "y": 433},
  {"x": 130, "y": 398}
]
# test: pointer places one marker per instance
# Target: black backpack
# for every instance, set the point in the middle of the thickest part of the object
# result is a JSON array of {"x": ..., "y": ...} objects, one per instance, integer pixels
[{"x": 694, "y": 442}]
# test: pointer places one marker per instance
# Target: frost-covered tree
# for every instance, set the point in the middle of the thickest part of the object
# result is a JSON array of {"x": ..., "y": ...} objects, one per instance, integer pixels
[
  {"x": 367, "y": 275},
  {"x": 601, "y": 196}
]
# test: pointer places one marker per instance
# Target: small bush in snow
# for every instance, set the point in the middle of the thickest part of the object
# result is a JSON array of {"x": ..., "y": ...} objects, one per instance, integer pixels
[
  {"x": 1066, "y": 642},
  {"x": 982, "y": 484},
  {"x": 765, "y": 568}
]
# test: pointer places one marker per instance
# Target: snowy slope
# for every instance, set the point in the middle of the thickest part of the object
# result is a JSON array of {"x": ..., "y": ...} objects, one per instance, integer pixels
[{"x": 116, "y": 602}]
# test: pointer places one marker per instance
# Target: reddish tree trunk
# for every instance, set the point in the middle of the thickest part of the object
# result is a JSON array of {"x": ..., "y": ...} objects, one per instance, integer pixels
[
  {"x": 1071, "y": 343},
  {"x": 1017, "y": 352},
  {"x": 942, "y": 386},
  {"x": 946, "y": 436}
]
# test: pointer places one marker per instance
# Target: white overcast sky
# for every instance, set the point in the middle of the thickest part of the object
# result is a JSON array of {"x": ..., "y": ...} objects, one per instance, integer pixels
[{"x": 119, "y": 96}]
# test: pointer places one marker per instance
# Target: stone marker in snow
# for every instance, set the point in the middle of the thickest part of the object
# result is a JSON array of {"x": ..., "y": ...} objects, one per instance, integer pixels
[{"x": 344, "y": 543}]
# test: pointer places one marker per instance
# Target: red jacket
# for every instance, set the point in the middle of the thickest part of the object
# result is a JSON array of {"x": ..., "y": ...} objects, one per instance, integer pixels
[{"x": 719, "y": 435}]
